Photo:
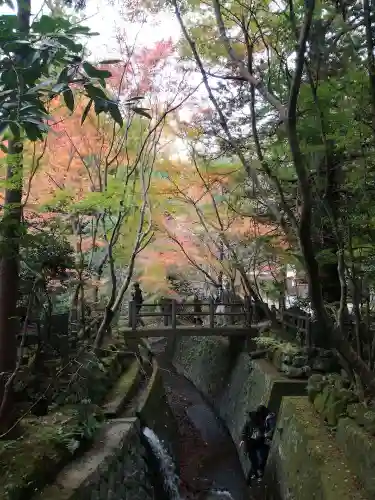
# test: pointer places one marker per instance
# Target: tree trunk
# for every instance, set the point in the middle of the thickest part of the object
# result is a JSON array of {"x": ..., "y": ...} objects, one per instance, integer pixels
[
  {"x": 9, "y": 262},
  {"x": 9, "y": 279}
]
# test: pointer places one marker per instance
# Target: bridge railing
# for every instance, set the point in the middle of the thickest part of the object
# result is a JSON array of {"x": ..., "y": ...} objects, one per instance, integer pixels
[
  {"x": 173, "y": 310},
  {"x": 297, "y": 324}
]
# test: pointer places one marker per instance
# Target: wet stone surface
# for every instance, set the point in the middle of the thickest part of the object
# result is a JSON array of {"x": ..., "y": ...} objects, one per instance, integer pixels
[{"x": 207, "y": 455}]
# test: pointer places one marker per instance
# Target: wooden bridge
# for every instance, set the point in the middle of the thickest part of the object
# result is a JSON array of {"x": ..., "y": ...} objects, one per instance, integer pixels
[{"x": 178, "y": 319}]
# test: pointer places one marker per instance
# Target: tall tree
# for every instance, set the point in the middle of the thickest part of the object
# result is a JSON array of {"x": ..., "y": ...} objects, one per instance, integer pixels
[
  {"x": 40, "y": 60},
  {"x": 292, "y": 147}
]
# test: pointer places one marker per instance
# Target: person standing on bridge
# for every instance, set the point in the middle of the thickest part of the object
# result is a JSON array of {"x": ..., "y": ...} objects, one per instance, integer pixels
[{"x": 138, "y": 301}]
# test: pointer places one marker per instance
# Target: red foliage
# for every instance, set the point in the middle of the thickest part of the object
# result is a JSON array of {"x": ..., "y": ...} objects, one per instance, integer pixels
[{"x": 136, "y": 75}]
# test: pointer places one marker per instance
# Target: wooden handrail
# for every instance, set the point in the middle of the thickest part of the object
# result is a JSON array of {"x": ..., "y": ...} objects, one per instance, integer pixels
[
  {"x": 299, "y": 322},
  {"x": 173, "y": 313}
]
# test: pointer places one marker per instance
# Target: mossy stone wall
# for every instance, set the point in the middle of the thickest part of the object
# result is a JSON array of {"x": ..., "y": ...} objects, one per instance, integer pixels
[
  {"x": 205, "y": 361},
  {"x": 233, "y": 389},
  {"x": 359, "y": 448},
  {"x": 113, "y": 469},
  {"x": 305, "y": 462},
  {"x": 155, "y": 410}
]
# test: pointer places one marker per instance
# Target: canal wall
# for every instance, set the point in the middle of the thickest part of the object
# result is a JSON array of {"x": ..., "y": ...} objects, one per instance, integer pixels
[
  {"x": 233, "y": 389},
  {"x": 114, "y": 467},
  {"x": 302, "y": 443}
]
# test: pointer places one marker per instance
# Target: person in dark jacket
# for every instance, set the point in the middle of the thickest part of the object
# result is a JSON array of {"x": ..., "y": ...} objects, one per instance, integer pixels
[
  {"x": 253, "y": 440},
  {"x": 138, "y": 299},
  {"x": 267, "y": 421},
  {"x": 256, "y": 436},
  {"x": 197, "y": 307}
]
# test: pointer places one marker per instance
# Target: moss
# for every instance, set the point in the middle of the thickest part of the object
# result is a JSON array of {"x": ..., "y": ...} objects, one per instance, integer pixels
[
  {"x": 205, "y": 361},
  {"x": 125, "y": 381},
  {"x": 310, "y": 465},
  {"x": 30, "y": 461},
  {"x": 123, "y": 390},
  {"x": 360, "y": 450}
]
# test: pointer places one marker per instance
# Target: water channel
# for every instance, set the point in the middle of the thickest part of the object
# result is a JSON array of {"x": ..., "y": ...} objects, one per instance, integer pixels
[{"x": 208, "y": 461}]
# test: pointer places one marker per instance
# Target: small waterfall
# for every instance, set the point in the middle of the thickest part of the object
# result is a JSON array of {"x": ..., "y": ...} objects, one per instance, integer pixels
[
  {"x": 219, "y": 495},
  {"x": 167, "y": 466},
  {"x": 169, "y": 489}
]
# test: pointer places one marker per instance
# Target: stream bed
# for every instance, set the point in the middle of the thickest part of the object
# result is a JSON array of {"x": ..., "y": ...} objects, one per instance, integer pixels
[{"x": 208, "y": 458}]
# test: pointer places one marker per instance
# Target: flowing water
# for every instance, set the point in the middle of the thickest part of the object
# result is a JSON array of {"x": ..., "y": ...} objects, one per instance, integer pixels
[{"x": 167, "y": 467}]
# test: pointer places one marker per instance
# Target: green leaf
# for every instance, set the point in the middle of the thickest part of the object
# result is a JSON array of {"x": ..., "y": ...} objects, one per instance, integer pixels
[
  {"x": 95, "y": 92},
  {"x": 110, "y": 61},
  {"x": 9, "y": 105},
  {"x": 136, "y": 98},
  {"x": 79, "y": 30},
  {"x": 69, "y": 99},
  {"x": 67, "y": 42},
  {"x": 142, "y": 112},
  {"x": 41, "y": 85},
  {"x": 41, "y": 125},
  {"x": 45, "y": 25},
  {"x": 100, "y": 105},
  {"x": 3, "y": 126},
  {"x": 6, "y": 92},
  {"x": 115, "y": 113},
  {"x": 33, "y": 133},
  {"x": 86, "y": 111},
  {"x": 3, "y": 148},
  {"x": 93, "y": 72}
]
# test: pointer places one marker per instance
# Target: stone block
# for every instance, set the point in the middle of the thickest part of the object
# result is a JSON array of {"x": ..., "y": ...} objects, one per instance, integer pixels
[
  {"x": 305, "y": 462},
  {"x": 359, "y": 449},
  {"x": 315, "y": 385},
  {"x": 112, "y": 469},
  {"x": 365, "y": 417}
]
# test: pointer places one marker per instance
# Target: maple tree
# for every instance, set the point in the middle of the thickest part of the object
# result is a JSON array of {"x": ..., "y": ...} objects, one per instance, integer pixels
[
  {"x": 200, "y": 216},
  {"x": 40, "y": 59},
  {"x": 92, "y": 172},
  {"x": 293, "y": 102}
]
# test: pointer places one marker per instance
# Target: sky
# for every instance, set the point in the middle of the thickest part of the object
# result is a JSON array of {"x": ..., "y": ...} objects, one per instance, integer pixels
[{"x": 105, "y": 19}]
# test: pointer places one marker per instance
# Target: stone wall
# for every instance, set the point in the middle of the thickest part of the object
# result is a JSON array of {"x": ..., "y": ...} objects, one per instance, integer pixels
[
  {"x": 154, "y": 409},
  {"x": 233, "y": 390},
  {"x": 252, "y": 383},
  {"x": 305, "y": 462},
  {"x": 203, "y": 360},
  {"x": 113, "y": 469}
]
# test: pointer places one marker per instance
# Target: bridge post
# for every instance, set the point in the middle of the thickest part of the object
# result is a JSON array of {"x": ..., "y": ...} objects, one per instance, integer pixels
[
  {"x": 130, "y": 313},
  {"x": 133, "y": 315},
  {"x": 174, "y": 318},
  {"x": 211, "y": 306},
  {"x": 248, "y": 311}
]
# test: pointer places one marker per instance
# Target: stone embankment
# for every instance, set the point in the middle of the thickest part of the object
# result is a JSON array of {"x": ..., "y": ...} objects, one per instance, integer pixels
[{"x": 307, "y": 461}]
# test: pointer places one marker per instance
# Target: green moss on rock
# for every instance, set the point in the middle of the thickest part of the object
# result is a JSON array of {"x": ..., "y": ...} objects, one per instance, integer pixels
[
  {"x": 359, "y": 449},
  {"x": 305, "y": 461},
  {"x": 330, "y": 397},
  {"x": 363, "y": 416}
]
